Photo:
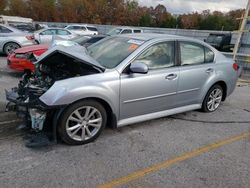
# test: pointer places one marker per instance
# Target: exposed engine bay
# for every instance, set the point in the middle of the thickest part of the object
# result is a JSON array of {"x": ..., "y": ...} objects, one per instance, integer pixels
[
  {"x": 24, "y": 99},
  {"x": 56, "y": 67}
]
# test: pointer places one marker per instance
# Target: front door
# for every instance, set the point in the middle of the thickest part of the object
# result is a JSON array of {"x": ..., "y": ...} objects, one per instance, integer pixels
[{"x": 152, "y": 92}]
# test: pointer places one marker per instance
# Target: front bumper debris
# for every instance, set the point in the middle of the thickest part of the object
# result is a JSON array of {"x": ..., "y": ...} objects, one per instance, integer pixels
[{"x": 34, "y": 111}]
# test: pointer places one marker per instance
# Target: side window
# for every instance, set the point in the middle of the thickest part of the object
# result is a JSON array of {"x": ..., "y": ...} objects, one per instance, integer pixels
[
  {"x": 126, "y": 31},
  {"x": 191, "y": 53},
  {"x": 93, "y": 40},
  {"x": 209, "y": 55},
  {"x": 49, "y": 32},
  {"x": 77, "y": 27},
  {"x": 62, "y": 32},
  {"x": 160, "y": 55},
  {"x": 92, "y": 29},
  {"x": 70, "y": 27},
  {"x": 137, "y": 31},
  {"x": 83, "y": 28},
  {"x": 4, "y": 30}
]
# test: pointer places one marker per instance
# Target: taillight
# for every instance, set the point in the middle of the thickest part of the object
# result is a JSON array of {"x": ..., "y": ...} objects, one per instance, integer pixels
[
  {"x": 30, "y": 37},
  {"x": 235, "y": 67}
]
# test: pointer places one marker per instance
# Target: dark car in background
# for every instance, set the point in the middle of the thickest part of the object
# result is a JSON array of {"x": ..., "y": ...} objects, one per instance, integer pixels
[
  {"x": 220, "y": 41},
  {"x": 25, "y": 27}
]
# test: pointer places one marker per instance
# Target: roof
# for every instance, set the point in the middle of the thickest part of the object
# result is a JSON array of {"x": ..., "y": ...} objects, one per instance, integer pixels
[
  {"x": 12, "y": 28},
  {"x": 127, "y": 27},
  {"x": 49, "y": 28},
  {"x": 16, "y": 19},
  {"x": 150, "y": 36},
  {"x": 81, "y": 25}
]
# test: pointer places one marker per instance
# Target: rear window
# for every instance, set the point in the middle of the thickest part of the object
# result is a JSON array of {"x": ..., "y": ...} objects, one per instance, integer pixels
[
  {"x": 137, "y": 31},
  {"x": 209, "y": 55},
  {"x": 4, "y": 30}
]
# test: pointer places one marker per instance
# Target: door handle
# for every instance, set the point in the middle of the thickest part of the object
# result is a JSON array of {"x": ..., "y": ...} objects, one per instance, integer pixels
[
  {"x": 171, "y": 76},
  {"x": 209, "y": 70}
]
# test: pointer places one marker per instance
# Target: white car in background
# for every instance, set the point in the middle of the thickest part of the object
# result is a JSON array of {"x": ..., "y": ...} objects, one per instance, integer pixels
[
  {"x": 82, "y": 29},
  {"x": 124, "y": 30},
  {"x": 45, "y": 36}
]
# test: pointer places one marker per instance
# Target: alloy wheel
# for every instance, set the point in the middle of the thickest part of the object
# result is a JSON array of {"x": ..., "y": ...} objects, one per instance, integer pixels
[
  {"x": 214, "y": 99},
  {"x": 11, "y": 47},
  {"x": 84, "y": 123}
]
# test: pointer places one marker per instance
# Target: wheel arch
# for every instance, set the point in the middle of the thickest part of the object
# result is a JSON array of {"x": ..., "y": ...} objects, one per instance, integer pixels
[
  {"x": 111, "y": 116},
  {"x": 224, "y": 88},
  {"x": 11, "y": 41},
  {"x": 5, "y": 43}
]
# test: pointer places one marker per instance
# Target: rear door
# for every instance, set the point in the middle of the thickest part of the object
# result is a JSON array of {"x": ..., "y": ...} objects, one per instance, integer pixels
[
  {"x": 196, "y": 68},
  {"x": 64, "y": 34},
  {"x": 47, "y": 35},
  {"x": 152, "y": 92}
]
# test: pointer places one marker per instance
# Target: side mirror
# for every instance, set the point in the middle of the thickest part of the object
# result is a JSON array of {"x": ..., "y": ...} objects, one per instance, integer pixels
[
  {"x": 41, "y": 34},
  {"x": 205, "y": 40},
  {"x": 140, "y": 68}
]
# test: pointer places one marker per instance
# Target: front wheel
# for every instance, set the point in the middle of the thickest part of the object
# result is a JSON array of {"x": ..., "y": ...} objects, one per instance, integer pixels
[
  {"x": 10, "y": 47},
  {"x": 82, "y": 122},
  {"x": 213, "y": 99}
]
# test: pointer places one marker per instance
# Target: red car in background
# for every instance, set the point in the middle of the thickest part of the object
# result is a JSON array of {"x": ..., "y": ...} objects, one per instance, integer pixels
[{"x": 18, "y": 60}]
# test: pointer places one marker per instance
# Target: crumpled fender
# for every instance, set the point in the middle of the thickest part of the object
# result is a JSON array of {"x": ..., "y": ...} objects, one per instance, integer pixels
[{"x": 102, "y": 86}]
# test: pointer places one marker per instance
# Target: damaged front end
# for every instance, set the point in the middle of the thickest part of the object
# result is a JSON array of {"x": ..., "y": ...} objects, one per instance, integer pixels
[
  {"x": 24, "y": 99},
  {"x": 58, "y": 63}
]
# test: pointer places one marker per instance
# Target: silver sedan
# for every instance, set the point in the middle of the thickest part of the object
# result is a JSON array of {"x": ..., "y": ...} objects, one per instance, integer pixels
[
  {"x": 12, "y": 38},
  {"x": 46, "y": 35},
  {"x": 123, "y": 80}
]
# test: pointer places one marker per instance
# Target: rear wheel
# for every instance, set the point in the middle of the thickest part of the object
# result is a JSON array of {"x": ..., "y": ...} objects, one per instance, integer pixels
[
  {"x": 82, "y": 122},
  {"x": 10, "y": 47},
  {"x": 213, "y": 99}
]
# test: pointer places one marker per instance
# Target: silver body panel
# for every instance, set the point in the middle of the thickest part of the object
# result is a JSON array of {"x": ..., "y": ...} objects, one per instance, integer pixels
[
  {"x": 139, "y": 97},
  {"x": 48, "y": 37},
  {"x": 15, "y": 36}
]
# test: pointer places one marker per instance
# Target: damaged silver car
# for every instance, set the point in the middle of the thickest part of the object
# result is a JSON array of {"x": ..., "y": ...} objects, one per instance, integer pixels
[{"x": 76, "y": 92}]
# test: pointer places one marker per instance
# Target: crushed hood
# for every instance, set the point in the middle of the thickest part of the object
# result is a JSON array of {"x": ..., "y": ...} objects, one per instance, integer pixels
[{"x": 76, "y": 52}]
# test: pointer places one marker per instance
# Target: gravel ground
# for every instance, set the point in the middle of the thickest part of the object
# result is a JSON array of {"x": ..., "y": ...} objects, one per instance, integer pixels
[{"x": 122, "y": 151}]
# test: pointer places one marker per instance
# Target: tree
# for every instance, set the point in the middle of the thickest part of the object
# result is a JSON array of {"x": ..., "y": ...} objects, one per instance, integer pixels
[
  {"x": 17, "y": 7},
  {"x": 190, "y": 21},
  {"x": 2, "y": 6},
  {"x": 118, "y": 12}
]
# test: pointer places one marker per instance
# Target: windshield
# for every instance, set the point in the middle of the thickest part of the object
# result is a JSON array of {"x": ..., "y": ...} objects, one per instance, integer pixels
[
  {"x": 214, "y": 39},
  {"x": 111, "y": 52},
  {"x": 80, "y": 39},
  {"x": 114, "y": 31}
]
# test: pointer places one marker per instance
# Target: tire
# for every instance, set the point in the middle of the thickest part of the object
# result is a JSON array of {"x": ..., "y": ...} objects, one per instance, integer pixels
[
  {"x": 213, "y": 99},
  {"x": 74, "y": 125},
  {"x": 10, "y": 47}
]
